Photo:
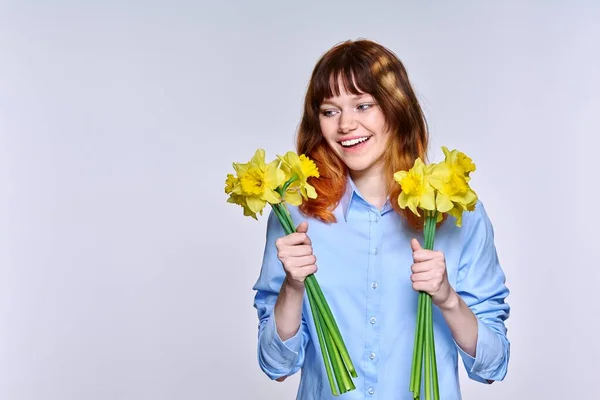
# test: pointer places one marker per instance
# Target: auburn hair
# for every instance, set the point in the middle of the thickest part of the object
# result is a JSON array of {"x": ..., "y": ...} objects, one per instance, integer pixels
[{"x": 364, "y": 67}]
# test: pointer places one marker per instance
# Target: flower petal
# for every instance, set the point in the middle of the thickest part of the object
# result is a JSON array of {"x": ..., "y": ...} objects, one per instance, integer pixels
[
  {"x": 443, "y": 203},
  {"x": 255, "y": 203},
  {"x": 271, "y": 197},
  {"x": 293, "y": 197},
  {"x": 413, "y": 202},
  {"x": 428, "y": 199},
  {"x": 311, "y": 193}
]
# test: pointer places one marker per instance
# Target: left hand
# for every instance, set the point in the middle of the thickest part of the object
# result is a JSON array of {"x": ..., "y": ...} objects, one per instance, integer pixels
[{"x": 429, "y": 274}]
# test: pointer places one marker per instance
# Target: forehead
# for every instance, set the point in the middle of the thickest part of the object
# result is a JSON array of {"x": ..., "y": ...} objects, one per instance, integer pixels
[{"x": 341, "y": 88}]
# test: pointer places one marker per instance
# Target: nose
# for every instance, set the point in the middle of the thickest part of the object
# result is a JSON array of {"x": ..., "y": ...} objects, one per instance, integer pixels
[{"x": 347, "y": 122}]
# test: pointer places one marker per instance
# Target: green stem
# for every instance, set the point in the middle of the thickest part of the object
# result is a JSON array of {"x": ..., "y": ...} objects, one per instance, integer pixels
[
  {"x": 323, "y": 344},
  {"x": 331, "y": 324},
  {"x": 341, "y": 374},
  {"x": 436, "y": 388},
  {"x": 424, "y": 319},
  {"x": 420, "y": 340},
  {"x": 283, "y": 219},
  {"x": 287, "y": 184},
  {"x": 427, "y": 350},
  {"x": 413, "y": 371},
  {"x": 432, "y": 370}
]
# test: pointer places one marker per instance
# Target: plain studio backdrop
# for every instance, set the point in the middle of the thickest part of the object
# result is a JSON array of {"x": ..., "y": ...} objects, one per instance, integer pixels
[{"x": 126, "y": 275}]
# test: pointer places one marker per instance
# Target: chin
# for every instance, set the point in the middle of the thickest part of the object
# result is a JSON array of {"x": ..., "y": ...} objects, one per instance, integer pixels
[{"x": 359, "y": 167}]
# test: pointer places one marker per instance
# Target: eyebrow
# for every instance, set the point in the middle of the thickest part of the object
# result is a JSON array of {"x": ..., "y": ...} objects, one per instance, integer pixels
[{"x": 354, "y": 97}]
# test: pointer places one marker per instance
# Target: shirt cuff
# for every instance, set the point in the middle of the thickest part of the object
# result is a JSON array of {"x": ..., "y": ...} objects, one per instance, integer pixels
[
  {"x": 281, "y": 355},
  {"x": 489, "y": 355}
]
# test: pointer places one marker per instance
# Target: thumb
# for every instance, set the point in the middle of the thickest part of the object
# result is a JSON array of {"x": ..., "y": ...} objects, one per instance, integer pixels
[
  {"x": 415, "y": 245},
  {"x": 302, "y": 228}
]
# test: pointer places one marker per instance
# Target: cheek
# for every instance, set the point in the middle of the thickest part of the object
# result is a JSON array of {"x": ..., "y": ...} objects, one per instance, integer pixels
[
  {"x": 376, "y": 123},
  {"x": 328, "y": 128}
]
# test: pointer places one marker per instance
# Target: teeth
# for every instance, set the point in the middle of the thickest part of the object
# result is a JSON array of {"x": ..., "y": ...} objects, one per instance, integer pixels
[{"x": 352, "y": 142}]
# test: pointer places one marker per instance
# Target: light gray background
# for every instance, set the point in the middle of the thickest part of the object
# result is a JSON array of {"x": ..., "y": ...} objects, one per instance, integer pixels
[{"x": 124, "y": 273}]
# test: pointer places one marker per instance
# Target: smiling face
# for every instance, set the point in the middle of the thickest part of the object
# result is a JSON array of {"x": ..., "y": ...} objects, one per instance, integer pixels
[{"x": 355, "y": 128}]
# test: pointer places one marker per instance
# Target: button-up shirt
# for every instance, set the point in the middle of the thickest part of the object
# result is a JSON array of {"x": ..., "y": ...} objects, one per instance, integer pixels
[{"x": 364, "y": 266}]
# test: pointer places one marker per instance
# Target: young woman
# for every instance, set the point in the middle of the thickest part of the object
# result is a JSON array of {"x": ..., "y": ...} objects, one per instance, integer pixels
[{"x": 362, "y": 122}]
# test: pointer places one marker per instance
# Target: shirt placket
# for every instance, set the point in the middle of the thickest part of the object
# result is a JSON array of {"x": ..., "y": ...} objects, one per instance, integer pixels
[{"x": 373, "y": 305}]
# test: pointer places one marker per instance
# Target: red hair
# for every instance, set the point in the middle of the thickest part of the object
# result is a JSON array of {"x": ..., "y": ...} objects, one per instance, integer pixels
[{"x": 364, "y": 67}]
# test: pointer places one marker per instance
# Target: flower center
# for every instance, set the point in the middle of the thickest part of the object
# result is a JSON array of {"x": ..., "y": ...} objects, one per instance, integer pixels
[
  {"x": 253, "y": 182},
  {"x": 411, "y": 184},
  {"x": 456, "y": 185}
]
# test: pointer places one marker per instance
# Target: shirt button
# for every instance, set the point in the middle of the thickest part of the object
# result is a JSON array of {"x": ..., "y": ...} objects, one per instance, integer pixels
[
  {"x": 371, "y": 391},
  {"x": 375, "y": 250},
  {"x": 373, "y": 320},
  {"x": 374, "y": 285},
  {"x": 377, "y": 218},
  {"x": 372, "y": 356}
]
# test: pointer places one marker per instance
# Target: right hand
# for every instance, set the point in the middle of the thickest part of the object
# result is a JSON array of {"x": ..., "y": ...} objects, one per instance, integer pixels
[{"x": 296, "y": 254}]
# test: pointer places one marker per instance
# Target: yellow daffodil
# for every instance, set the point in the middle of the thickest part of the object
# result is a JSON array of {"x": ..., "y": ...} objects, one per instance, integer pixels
[
  {"x": 416, "y": 189},
  {"x": 453, "y": 193},
  {"x": 458, "y": 161},
  {"x": 230, "y": 185},
  {"x": 297, "y": 170},
  {"x": 255, "y": 184}
]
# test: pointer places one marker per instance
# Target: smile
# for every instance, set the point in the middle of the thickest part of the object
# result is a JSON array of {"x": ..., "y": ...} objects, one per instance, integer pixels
[{"x": 354, "y": 142}]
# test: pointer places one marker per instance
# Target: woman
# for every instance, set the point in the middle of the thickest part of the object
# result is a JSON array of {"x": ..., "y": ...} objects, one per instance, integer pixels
[{"x": 361, "y": 123}]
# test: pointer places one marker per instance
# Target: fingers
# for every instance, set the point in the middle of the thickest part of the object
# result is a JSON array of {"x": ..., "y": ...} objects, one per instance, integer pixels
[
  {"x": 293, "y": 239},
  {"x": 431, "y": 274},
  {"x": 423, "y": 266},
  {"x": 296, "y": 251},
  {"x": 300, "y": 273},
  {"x": 428, "y": 270},
  {"x": 296, "y": 254},
  {"x": 303, "y": 227},
  {"x": 429, "y": 286},
  {"x": 303, "y": 261},
  {"x": 420, "y": 254},
  {"x": 415, "y": 245}
]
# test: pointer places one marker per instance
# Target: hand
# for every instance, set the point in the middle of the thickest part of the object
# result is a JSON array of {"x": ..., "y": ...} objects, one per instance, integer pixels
[
  {"x": 296, "y": 254},
  {"x": 429, "y": 274}
]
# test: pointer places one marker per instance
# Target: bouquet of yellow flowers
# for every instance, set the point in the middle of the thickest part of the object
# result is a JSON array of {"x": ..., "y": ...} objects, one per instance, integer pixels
[
  {"x": 284, "y": 180},
  {"x": 434, "y": 189}
]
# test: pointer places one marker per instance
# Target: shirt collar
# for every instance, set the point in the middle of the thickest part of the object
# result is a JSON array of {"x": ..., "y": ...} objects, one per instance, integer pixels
[
  {"x": 347, "y": 197},
  {"x": 351, "y": 194}
]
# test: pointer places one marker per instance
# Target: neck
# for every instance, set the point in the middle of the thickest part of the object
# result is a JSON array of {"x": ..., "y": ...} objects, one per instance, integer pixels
[{"x": 372, "y": 185}]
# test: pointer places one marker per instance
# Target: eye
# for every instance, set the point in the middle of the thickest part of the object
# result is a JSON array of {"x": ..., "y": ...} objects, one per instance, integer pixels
[
  {"x": 328, "y": 113},
  {"x": 365, "y": 106}
]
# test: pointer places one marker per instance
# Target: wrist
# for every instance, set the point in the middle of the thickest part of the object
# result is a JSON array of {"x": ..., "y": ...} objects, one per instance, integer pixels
[
  {"x": 293, "y": 287},
  {"x": 452, "y": 303}
]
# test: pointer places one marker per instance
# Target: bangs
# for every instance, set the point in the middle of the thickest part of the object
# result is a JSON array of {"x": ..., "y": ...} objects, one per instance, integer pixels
[{"x": 351, "y": 69}]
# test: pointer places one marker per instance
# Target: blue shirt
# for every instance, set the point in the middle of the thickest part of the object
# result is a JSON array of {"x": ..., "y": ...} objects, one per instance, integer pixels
[{"x": 364, "y": 266}]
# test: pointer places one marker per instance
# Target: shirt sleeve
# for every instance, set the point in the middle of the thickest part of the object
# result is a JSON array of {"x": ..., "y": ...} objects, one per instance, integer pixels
[
  {"x": 276, "y": 358},
  {"x": 481, "y": 284}
]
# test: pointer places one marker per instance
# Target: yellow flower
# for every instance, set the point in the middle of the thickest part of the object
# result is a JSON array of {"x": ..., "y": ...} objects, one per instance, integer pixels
[
  {"x": 255, "y": 184},
  {"x": 297, "y": 170},
  {"x": 453, "y": 193},
  {"x": 241, "y": 201},
  {"x": 230, "y": 185},
  {"x": 458, "y": 161},
  {"x": 416, "y": 189}
]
